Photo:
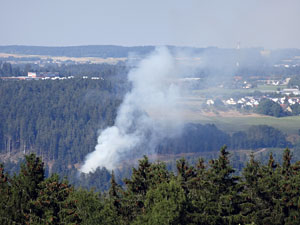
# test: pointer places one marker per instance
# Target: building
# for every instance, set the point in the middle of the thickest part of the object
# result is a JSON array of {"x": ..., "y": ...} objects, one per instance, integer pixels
[
  {"x": 31, "y": 74},
  {"x": 289, "y": 91}
]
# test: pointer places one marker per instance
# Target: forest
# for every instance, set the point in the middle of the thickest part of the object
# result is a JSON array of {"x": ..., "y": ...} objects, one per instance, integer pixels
[
  {"x": 59, "y": 121},
  {"x": 204, "y": 193},
  {"x": 54, "y": 124},
  {"x": 104, "y": 70}
]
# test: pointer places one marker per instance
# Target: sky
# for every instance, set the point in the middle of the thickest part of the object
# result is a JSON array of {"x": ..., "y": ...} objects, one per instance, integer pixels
[{"x": 270, "y": 24}]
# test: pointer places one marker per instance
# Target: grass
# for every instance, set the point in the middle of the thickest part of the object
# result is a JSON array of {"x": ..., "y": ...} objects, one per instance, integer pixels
[
  {"x": 289, "y": 125},
  {"x": 216, "y": 91},
  {"x": 269, "y": 88},
  {"x": 232, "y": 123}
]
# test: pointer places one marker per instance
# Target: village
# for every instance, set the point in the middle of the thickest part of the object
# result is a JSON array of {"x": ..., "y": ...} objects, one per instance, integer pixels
[
  {"x": 286, "y": 98},
  {"x": 46, "y": 76}
]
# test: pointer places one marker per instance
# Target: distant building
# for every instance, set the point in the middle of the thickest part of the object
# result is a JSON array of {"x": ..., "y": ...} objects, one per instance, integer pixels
[
  {"x": 32, "y": 74},
  {"x": 230, "y": 102},
  {"x": 289, "y": 91},
  {"x": 42, "y": 74},
  {"x": 210, "y": 102}
]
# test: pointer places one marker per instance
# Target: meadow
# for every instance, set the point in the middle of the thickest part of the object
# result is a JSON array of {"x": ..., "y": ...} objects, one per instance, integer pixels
[
  {"x": 233, "y": 120},
  {"x": 289, "y": 125}
]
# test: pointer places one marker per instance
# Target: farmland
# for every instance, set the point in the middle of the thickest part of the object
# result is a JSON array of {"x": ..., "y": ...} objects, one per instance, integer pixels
[
  {"x": 289, "y": 125},
  {"x": 233, "y": 120}
]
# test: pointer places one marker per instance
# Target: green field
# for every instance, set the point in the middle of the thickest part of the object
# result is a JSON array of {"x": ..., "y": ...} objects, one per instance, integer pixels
[
  {"x": 232, "y": 123},
  {"x": 289, "y": 125},
  {"x": 216, "y": 91}
]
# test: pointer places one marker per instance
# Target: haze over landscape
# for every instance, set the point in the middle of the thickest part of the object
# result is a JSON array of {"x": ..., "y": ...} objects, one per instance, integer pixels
[{"x": 150, "y": 112}]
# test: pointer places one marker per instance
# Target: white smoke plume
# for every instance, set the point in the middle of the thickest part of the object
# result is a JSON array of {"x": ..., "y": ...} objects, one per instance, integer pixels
[{"x": 147, "y": 114}]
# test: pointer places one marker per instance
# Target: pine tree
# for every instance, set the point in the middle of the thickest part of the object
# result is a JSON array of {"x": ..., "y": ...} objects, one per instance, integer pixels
[
  {"x": 270, "y": 193},
  {"x": 165, "y": 204},
  {"x": 89, "y": 205},
  {"x": 186, "y": 174},
  {"x": 251, "y": 203},
  {"x": 261, "y": 194},
  {"x": 140, "y": 182},
  {"x": 221, "y": 195},
  {"x": 290, "y": 189},
  {"x": 25, "y": 189},
  {"x": 147, "y": 176},
  {"x": 5, "y": 193},
  {"x": 54, "y": 204},
  {"x": 115, "y": 194}
]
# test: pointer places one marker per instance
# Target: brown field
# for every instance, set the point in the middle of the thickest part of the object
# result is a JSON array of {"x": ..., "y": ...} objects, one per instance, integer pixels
[
  {"x": 65, "y": 58},
  {"x": 230, "y": 113}
]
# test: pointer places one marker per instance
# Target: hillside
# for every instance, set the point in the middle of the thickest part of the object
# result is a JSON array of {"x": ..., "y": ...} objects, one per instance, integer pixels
[
  {"x": 103, "y": 51},
  {"x": 60, "y": 119}
]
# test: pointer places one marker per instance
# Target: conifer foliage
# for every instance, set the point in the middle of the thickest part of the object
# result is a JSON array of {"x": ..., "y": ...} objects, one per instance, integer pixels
[
  {"x": 202, "y": 194},
  {"x": 29, "y": 198}
]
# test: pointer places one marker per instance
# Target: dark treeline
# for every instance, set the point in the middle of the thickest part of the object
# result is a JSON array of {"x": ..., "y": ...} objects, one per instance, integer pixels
[
  {"x": 106, "y": 71},
  {"x": 7, "y": 70},
  {"x": 271, "y": 108},
  {"x": 206, "y": 138},
  {"x": 207, "y": 193}
]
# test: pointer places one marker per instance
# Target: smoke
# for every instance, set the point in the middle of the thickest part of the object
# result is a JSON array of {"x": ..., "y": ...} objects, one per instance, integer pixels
[
  {"x": 148, "y": 113},
  {"x": 160, "y": 100}
]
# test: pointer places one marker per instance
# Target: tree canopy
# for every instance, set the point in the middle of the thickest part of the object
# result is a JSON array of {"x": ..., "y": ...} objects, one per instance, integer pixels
[{"x": 196, "y": 194}]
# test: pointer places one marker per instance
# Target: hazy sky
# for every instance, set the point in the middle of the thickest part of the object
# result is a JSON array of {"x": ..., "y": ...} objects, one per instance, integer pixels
[{"x": 200, "y": 23}]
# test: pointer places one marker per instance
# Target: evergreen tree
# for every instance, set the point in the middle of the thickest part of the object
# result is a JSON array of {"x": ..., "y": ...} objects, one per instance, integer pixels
[
  {"x": 115, "y": 197},
  {"x": 5, "y": 194},
  {"x": 186, "y": 174},
  {"x": 89, "y": 205},
  {"x": 290, "y": 189},
  {"x": 54, "y": 204},
  {"x": 165, "y": 204},
  {"x": 147, "y": 176},
  {"x": 25, "y": 189},
  {"x": 251, "y": 202},
  {"x": 270, "y": 193},
  {"x": 221, "y": 194},
  {"x": 264, "y": 194}
]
